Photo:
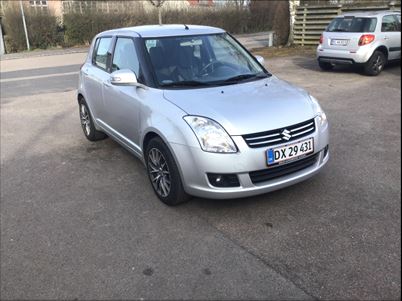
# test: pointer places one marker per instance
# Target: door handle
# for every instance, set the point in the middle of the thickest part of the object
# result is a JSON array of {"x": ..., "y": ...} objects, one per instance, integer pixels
[{"x": 386, "y": 38}]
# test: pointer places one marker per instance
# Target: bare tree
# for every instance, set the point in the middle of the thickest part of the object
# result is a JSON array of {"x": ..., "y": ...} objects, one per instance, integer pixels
[{"x": 158, "y": 4}]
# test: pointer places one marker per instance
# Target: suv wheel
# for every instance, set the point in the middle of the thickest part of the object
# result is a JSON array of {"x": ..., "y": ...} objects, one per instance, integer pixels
[
  {"x": 87, "y": 123},
  {"x": 164, "y": 174},
  {"x": 325, "y": 65},
  {"x": 375, "y": 64}
]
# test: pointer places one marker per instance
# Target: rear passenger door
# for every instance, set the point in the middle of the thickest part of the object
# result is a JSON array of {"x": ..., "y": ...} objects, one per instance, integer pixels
[
  {"x": 391, "y": 31},
  {"x": 96, "y": 74},
  {"x": 123, "y": 103}
]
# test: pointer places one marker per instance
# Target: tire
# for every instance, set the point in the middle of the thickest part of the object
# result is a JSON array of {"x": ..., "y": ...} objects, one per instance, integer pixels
[
  {"x": 325, "y": 66},
  {"x": 87, "y": 123},
  {"x": 163, "y": 173},
  {"x": 375, "y": 64}
]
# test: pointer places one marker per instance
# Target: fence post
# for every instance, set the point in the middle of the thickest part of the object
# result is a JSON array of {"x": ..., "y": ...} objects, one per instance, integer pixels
[
  {"x": 339, "y": 12},
  {"x": 304, "y": 24}
]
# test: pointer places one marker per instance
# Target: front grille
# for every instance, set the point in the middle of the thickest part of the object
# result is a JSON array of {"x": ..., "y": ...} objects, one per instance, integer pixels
[
  {"x": 281, "y": 135},
  {"x": 282, "y": 169}
]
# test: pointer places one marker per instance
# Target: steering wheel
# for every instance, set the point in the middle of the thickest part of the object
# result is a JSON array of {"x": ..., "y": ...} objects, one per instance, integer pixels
[{"x": 211, "y": 65}]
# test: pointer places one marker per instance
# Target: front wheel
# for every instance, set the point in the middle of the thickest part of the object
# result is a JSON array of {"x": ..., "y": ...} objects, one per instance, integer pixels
[
  {"x": 164, "y": 173},
  {"x": 375, "y": 64}
]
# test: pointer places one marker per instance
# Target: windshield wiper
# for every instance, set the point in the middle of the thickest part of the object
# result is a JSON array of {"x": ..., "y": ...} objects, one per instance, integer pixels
[
  {"x": 185, "y": 83},
  {"x": 241, "y": 77}
]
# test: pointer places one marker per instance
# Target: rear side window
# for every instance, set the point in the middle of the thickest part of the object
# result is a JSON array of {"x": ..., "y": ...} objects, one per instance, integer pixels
[
  {"x": 125, "y": 56},
  {"x": 389, "y": 24},
  {"x": 101, "y": 52},
  {"x": 352, "y": 24}
]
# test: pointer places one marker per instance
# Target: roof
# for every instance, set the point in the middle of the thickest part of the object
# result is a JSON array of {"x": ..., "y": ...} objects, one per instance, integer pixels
[
  {"x": 150, "y": 31},
  {"x": 377, "y": 13}
]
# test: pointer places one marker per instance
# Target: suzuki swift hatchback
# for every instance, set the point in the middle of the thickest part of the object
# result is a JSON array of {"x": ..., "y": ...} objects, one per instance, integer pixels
[{"x": 204, "y": 115}]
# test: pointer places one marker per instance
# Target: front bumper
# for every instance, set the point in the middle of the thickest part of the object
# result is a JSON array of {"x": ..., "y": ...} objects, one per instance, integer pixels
[
  {"x": 194, "y": 164},
  {"x": 346, "y": 57}
]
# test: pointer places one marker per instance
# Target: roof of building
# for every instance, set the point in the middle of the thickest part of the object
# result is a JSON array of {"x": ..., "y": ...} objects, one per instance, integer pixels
[{"x": 150, "y": 31}]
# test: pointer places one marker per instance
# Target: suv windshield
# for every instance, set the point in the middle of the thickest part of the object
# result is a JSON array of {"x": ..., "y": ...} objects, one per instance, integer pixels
[
  {"x": 201, "y": 61},
  {"x": 352, "y": 24}
]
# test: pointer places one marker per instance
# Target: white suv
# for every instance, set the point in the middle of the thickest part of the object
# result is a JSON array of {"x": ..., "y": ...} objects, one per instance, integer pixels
[{"x": 370, "y": 39}]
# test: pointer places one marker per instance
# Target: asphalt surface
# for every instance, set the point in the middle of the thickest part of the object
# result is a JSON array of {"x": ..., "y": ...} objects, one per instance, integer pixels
[{"x": 80, "y": 220}]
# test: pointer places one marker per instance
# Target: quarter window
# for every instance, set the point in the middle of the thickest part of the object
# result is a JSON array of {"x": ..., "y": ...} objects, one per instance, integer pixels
[
  {"x": 389, "y": 24},
  {"x": 101, "y": 52},
  {"x": 125, "y": 56}
]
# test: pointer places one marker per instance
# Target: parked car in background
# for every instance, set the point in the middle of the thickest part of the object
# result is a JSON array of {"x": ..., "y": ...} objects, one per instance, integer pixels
[
  {"x": 369, "y": 39},
  {"x": 202, "y": 113}
]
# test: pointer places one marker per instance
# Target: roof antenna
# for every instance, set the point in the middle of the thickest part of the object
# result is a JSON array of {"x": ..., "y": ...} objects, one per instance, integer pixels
[{"x": 186, "y": 27}]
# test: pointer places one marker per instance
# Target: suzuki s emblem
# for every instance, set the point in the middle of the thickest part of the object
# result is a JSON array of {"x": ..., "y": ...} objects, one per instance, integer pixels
[{"x": 286, "y": 135}]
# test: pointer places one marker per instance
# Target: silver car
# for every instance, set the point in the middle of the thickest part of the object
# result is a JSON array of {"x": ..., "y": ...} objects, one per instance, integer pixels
[
  {"x": 203, "y": 114},
  {"x": 368, "y": 39}
]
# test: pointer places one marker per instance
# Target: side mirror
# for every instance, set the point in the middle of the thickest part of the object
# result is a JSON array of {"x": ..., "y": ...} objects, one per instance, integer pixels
[
  {"x": 124, "y": 77},
  {"x": 260, "y": 59}
]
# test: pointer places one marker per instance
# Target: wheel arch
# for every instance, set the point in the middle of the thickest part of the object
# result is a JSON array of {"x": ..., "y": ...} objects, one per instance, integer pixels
[
  {"x": 152, "y": 133},
  {"x": 382, "y": 49},
  {"x": 80, "y": 97}
]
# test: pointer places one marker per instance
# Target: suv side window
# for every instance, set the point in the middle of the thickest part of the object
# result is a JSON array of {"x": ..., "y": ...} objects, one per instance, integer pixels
[
  {"x": 389, "y": 24},
  {"x": 101, "y": 52},
  {"x": 125, "y": 56}
]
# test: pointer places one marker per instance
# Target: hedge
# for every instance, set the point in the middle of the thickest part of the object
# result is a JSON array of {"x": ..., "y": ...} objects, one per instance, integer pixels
[{"x": 44, "y": 30}]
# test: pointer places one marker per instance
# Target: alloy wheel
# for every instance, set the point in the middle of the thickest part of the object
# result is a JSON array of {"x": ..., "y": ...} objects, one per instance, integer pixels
[
  {"x": 378, "y": 64},
  {"x": 85, "y": 120},
  {"x": 159, "y": 172}
]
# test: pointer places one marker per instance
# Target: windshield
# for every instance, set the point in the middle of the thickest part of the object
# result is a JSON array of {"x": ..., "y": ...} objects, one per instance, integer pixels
[
  {"x": 201, "y": 61},
  {"x": 352, "y": 24}
]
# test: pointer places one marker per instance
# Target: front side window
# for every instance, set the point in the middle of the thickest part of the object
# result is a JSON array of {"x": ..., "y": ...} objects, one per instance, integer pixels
[
  {"x": 201, "y": 60},
  {"x": 352, "y": 24},
  {"x": 125, "y": 56},
  {"x": 101, "y": 52},
  {"x": 389, "y": 24}
]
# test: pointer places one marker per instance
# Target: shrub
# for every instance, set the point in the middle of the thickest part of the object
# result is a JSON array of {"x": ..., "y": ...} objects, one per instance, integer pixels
[
  {"x": 42, "y": 29},
  {"x": 80, "y": 28}
]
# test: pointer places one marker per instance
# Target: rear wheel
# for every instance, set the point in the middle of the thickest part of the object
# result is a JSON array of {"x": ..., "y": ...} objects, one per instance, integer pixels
[
  {"x": 164, "y": 173},
  {"x": 325, "y": 65},
  {"x": 375, "y": 64},
  {"x": 87, "y": 123}
]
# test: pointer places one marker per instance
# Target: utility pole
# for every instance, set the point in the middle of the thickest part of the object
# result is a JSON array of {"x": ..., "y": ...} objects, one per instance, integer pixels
[{"x": 25, "y": 25}]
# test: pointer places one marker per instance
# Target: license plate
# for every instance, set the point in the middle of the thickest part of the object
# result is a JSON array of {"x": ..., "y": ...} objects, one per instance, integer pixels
[
  {"x": 339, "y": 42},
  {"x": 290, "y": 151}
]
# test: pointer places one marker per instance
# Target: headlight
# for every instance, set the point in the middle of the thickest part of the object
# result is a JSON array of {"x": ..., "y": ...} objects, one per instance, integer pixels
[
  {"x": 322, "y": 117},
  {"x": 212, "y": 137}
]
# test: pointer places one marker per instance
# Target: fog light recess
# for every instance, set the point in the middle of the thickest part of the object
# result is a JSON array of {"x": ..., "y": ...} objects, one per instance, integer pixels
[{"x": 223, "y": 180}]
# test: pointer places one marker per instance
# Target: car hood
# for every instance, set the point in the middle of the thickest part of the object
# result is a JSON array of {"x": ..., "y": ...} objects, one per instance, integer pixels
[{"x": 247, "y": 107}]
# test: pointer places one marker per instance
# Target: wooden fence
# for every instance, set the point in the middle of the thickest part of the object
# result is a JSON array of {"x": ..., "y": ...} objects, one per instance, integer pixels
[{"x": 310, "y": 21}]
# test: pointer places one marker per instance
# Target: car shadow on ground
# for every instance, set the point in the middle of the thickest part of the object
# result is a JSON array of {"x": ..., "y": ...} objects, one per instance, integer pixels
[{"x": 311, "y": 64}]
